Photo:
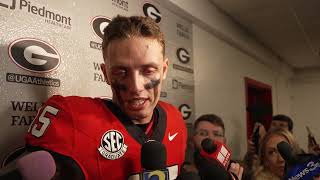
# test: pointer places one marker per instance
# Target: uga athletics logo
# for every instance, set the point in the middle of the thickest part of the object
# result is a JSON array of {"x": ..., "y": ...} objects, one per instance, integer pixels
[
  {"x": 112, "y": 145},
  {"x": 150, "y": 10},
  {"x": 98, "y": 24},
  {"x": 34, "y": 55}
]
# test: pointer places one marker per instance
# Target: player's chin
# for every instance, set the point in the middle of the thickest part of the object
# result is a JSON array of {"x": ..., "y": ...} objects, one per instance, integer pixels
[
  {"x": 141, "y": 113},
  {"x": 137, "y": 114}
]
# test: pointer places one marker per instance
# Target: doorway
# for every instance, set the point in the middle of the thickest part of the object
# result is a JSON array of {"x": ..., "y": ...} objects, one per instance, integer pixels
[{"x": 258, "y": 104}]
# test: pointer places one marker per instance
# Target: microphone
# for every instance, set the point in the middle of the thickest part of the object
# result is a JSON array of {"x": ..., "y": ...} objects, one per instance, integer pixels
[
  {"x": 298, "y": 166},
  {"x": 38, "y": 165},
  {"x": 215, "y": 150},
  {"x": 212, "y": 160},
  {"x": 188, "y": 176},
  {"x": 286, "y": 153},
  {"x": 154, "y": 161}
]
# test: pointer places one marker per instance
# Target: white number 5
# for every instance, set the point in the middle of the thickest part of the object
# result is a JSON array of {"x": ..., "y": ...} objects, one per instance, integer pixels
[{"x": 39, "y": 128}]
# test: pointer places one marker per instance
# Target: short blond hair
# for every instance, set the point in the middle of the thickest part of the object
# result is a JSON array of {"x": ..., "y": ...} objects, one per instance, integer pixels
[{"x": 122, "y": 27}]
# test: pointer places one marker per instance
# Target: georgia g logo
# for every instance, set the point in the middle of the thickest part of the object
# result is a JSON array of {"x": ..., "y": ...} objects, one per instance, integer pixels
[
  {"x": 150, "y": 10},
  {"x": 183, "y": 55},
  {"x": 185, "y": 110},
  {"x": 34, "y": 55},
  {"x": 99, "y": 23},
  {"x": 112, "y": 145}
]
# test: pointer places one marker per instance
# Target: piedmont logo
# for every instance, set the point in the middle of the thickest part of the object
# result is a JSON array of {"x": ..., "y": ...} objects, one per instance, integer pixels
[
  {"x": 34, "y": 55},
  {"x": 178, "y": 84},
  {"x": 50, "y": 17},
  {"x": 98, "y": 24},
  {"x": 150, "y": 10},
  {"x": 185, "y": 111},
  {"x": 163, "y": 94},
  {"x": 183, "y": 55},
  {"x": 112, "y": 145}
]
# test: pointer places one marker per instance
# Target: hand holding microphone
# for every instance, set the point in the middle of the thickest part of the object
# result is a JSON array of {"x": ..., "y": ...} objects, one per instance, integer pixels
[
  {"x": 213, "y": 161},
  {"x": 38, "y": 165},
  {"x": 215, "y": 150}
]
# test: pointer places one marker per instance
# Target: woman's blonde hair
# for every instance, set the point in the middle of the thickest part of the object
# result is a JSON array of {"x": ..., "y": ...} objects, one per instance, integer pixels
[
  {"x": 263, "y": 169},
  {"x": 276, "y": 132}
]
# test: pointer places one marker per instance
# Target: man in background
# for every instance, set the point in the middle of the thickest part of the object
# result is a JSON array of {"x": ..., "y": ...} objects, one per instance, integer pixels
[
  {"x": 281, "y": 121},
  {"x": 210, "y": 126}
]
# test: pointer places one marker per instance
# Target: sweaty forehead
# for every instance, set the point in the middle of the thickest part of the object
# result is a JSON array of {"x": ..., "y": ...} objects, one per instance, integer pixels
[{"x": 135, "y": 50}]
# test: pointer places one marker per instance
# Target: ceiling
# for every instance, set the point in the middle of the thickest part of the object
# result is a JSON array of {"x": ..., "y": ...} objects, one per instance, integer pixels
[{"x": 290, "y": 28}]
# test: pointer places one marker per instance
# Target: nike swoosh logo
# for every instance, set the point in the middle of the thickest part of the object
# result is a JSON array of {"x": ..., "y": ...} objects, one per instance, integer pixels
[{"x": 172, "y": 137}]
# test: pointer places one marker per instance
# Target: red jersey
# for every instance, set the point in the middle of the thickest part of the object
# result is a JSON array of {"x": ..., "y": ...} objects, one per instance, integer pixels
[{"x": 102, "y": 140}]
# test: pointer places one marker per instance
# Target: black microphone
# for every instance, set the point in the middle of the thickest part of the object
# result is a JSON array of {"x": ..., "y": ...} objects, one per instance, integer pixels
[
  {"x": 37, "y": 165},
  {"x": 298, "y": 166},
  {"x": 209, "y": 169},
  {"x": 154, "y": 161},
  {"x": 188, "y": 176},
  {"x": 286, "y": 153},
  {"x": 212, "y": 160},
  {"x": 208, "y": 146},
  {"x": 216, "y": 151}
]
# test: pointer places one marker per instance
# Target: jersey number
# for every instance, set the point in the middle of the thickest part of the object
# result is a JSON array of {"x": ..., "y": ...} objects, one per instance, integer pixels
[{"x": 38, "y": 129}]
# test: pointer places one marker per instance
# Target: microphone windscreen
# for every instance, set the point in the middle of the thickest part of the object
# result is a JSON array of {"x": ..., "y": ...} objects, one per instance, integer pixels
[
  {"x": 286, "y": 151},
  {"x": 153, "y": 155},
  {"x": 208, "y": 145},
  {"x": 38, "y": 165},
  {"x": 188, "y": 176}
]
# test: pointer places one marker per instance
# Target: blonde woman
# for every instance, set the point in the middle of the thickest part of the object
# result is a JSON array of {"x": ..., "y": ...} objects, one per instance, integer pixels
[{"x": 271, "y": 163}]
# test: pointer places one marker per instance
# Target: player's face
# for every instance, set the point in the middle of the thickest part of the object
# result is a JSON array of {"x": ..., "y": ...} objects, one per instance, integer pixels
[
  {"x": 206, "y": 129},
  {"x": 272, "y": 158},
  {"x": 135, "y": 68}
]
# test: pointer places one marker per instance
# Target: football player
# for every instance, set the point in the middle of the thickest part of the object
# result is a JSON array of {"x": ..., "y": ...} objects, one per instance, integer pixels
[{"x": 92, "y": 138}]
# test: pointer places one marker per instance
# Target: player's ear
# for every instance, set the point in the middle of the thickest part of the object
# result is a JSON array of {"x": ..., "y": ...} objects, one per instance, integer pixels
[
  {"x": 165, "y": 68},
  {"x": 104, "y": 70}
]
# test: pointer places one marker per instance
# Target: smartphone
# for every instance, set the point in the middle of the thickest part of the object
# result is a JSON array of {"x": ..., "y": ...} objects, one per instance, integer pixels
[{"x": 311, "y": 138}]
